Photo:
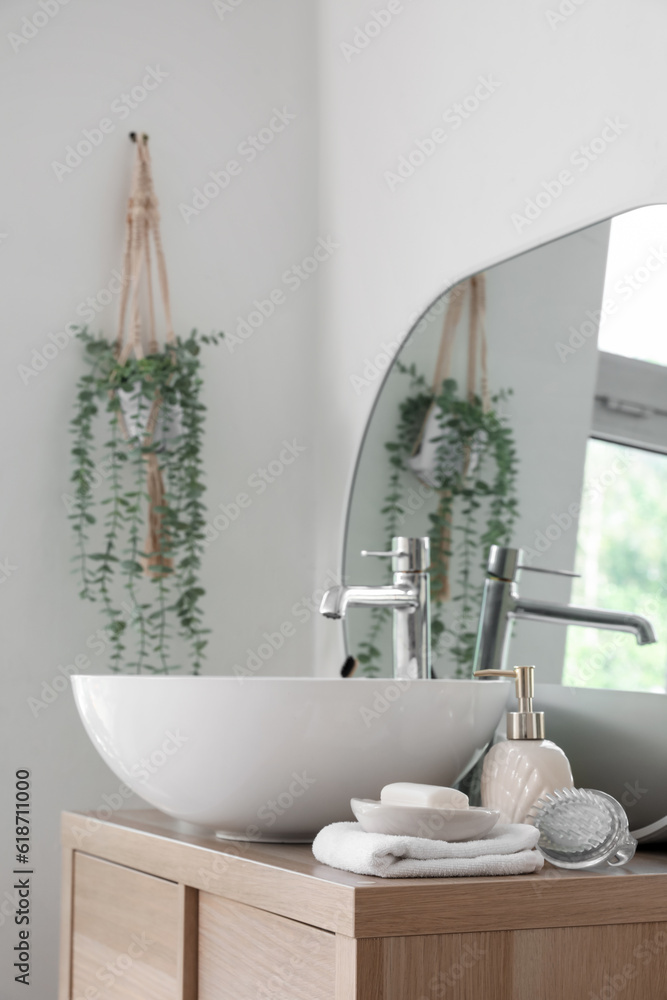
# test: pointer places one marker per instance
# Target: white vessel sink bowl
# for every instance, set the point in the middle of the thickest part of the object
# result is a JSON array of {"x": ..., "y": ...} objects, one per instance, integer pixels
[{"x": 278, "y": 758}]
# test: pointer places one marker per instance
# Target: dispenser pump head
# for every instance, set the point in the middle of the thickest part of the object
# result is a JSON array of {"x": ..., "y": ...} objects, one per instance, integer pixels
[{"x": 525, "y": 724}]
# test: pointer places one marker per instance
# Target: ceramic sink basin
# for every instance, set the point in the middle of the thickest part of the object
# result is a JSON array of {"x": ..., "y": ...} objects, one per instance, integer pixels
[{"x": 275, "y": 758}]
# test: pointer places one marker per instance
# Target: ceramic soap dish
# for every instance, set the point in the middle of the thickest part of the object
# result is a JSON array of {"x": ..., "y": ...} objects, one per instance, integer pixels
[{"x": 424, "y": 821}]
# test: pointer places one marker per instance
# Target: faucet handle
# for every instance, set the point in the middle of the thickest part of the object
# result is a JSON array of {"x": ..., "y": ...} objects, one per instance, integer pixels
[
  {"x": 551, "y": 572},
  {"x": 494, "y": 673},
  {"x": 410, "y": 555},
  {"x": 504, "y": 563},
  {"x": 389, "y": 555}
]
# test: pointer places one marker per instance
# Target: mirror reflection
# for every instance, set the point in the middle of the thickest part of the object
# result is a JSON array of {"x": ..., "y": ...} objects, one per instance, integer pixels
[{"x": 527, "y": 408}]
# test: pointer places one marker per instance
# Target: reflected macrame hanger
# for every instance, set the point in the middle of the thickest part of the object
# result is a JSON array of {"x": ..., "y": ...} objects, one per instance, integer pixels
[{"x": 474, "y": 290}]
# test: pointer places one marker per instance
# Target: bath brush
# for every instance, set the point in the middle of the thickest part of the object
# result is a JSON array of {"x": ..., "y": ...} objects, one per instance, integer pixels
[{"x": 580, "y": 828}]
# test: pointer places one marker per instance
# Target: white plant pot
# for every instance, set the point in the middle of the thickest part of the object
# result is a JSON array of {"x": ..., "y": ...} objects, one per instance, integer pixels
[
  {"x": 136, "y": 412},
  {"x": 425, "y": 463}
]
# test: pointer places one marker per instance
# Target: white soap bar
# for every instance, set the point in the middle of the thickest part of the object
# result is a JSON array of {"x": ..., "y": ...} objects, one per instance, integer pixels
[{"x": 407, "y": 793}]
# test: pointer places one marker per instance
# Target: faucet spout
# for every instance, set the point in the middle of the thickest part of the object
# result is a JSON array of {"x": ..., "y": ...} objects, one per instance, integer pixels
[
  {"x": 408, "y": 596},
  {"x": 337, "y": 600},
  {"x": 501, "y": 602},
  {"x": 330, "y": 605},
  {"x": 571, "y": 614}
]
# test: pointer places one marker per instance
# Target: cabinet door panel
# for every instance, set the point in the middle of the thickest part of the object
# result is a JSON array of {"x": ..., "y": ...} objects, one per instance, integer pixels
[
  {"x": 125, "y": 933},
  {"x": 608, "y": 962},
  {"x": 249, "y": 954}
]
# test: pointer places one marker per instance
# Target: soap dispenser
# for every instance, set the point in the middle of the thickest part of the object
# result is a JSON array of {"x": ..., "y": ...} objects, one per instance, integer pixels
[{"x": 520, "y": 770}]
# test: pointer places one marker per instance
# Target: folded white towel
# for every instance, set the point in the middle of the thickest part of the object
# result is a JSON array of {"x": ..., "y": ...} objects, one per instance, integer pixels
[{"x": 508, "y": 850}]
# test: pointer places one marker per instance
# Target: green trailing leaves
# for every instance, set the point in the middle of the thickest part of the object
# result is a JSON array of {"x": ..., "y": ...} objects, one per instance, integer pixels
[
  {"x": 155, "y": 608},
  {"x": 475, "y": 506}
]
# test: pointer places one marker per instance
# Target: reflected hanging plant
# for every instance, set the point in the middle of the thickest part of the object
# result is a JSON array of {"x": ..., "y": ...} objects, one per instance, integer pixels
[
  {"x": 464, "y": 451},
  {"x": 477, "y": 506}
]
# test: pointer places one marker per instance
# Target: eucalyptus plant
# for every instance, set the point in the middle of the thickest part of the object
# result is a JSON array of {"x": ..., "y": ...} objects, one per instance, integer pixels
[
  {"x": 109, "y": 506},
  {"x": 476, "y": 506}
]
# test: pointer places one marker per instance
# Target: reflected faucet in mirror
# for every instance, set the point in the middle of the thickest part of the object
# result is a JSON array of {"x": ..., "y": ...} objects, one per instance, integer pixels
[
  {"x": 409, "y": 597},
  {"x": 501, "y": 603}
]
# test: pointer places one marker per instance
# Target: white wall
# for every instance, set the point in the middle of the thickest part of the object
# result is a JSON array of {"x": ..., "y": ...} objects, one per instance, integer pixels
[
  {"x": 453, "y": 217},
  {"x": 224, "y": 78}
]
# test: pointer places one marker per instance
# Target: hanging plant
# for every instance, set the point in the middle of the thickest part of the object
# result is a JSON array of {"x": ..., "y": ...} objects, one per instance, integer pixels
[
  {"x": 463, "y": 449},
  {"x": 151, "y": 471}
]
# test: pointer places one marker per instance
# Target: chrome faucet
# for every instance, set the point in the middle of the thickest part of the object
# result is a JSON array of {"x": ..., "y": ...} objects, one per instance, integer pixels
[
  {"x": 501, "y": 603},
  {"x": 408, "y": 595}
]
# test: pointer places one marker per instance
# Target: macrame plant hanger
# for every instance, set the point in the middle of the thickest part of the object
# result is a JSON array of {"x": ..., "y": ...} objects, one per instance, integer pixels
[
  {"x": 473, "y": 289},
  {"x": 142, "y": 226}
]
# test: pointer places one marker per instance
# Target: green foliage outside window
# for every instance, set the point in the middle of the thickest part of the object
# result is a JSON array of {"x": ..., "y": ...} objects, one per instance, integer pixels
[{"x": 623, "y": 566}]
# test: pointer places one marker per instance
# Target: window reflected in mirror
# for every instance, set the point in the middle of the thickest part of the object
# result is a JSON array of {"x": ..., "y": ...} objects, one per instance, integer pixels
[
  {"x": 624, "y": 499},
  {"x": 634, "y": 313},
  {"x": 622, "y": 565}
]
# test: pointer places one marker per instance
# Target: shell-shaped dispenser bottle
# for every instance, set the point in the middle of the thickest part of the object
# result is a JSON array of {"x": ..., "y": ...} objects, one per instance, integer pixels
[{"x": 525, "y": 767}]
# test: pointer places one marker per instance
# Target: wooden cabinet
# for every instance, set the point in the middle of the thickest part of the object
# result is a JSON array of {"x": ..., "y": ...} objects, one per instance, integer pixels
[
  {"x": 127, "y": 938},
  {"x": 248, "y": 954},
  {"x": 149, "y": 913}
]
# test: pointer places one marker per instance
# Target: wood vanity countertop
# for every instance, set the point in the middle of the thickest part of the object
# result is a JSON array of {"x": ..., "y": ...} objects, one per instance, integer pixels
[{"x": 287, "y": 880}]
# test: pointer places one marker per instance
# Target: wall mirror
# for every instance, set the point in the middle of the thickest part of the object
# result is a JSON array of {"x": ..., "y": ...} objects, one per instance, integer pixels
[{"x": 550, "y": 374}]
